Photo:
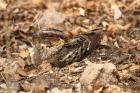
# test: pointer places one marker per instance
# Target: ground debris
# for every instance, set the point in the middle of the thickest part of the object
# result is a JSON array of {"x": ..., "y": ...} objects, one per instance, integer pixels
[{"x": 30, "y": 30}]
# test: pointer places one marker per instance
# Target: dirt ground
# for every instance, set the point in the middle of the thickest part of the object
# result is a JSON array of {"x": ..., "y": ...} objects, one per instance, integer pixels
[{"x": 113, "y": 67}]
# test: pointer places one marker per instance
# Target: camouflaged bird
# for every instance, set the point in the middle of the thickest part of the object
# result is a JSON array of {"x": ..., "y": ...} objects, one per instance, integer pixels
[{"x": 75, "y": 49}]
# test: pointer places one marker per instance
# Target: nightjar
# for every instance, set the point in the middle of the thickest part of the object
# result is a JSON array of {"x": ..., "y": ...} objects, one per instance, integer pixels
[{"x": 75, "y": 49}]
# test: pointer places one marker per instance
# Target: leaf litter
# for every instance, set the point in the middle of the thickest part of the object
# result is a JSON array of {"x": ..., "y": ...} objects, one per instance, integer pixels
[{"x": 113, "y": 68}]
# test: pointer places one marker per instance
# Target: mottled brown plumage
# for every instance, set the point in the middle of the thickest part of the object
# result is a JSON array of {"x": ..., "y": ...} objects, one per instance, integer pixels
[{"x": 75, "y": 49}]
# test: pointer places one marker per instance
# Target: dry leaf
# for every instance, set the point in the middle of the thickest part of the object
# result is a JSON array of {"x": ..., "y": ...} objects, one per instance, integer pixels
[
  {"x": 33, "y": 73},
  {"x": 3, "y": 5},
  {"x": 21, "y": 72},
  {"x": 126, "y": 27},
  {"x": 81, "y": 3},
  {"x": 21, "y": 63},
  {"x": 116, "y": 11},
  {"x": 45, "y": 66},
  {"x": 82, "y": 11},
  {"x": 134, "y": 4},
  {"x": 97, "y": 88},
  {"x": 40, "y": 85},
  {"x": 114, "y": 89},
  {"x": 112, "y": 28},
  {"x": 90, "y": 5},
  {"x": 2, "y": 63},
  {"x": 56, "y": 90},
  {"x": 124, "y": 74},
  {"x": 135, "y": 68},
  {"x": 38, "y": 2},
  {"x": 24, "y": 53},
  {"x": 105, "y": 24},
  {"x": 26, "y": 86}
]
